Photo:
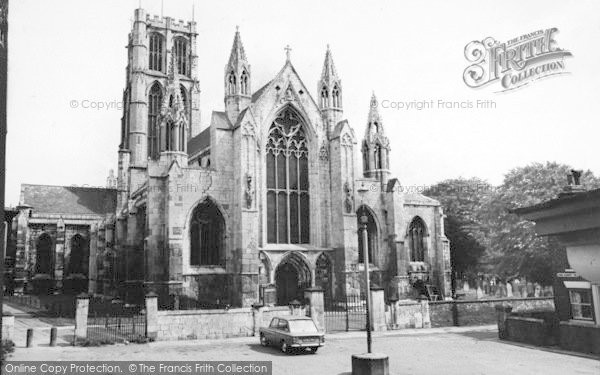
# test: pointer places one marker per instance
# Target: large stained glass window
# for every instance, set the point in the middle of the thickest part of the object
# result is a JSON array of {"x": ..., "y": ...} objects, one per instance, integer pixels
[{"x": 288, "y": 213}]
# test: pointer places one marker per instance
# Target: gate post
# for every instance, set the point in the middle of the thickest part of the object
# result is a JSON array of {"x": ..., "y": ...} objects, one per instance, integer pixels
[
  {"x": 151, "y": 315},
  {"x": 378, "y": 309},
  {"x": 316, "y": 306},
  {"x": 81, "y": 316}
]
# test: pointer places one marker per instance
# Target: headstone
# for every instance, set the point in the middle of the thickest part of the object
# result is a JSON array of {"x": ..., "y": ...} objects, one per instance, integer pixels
[
  {"x": 530, "y": 289},
  {"x": 509, "y": 292},
  {"x": 479, "y": 293},
  {"x": 515, "y": 288},
  {"x": 537, "y": 290}
]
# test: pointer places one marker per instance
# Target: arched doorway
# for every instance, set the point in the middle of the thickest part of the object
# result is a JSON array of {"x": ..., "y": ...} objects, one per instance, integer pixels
[
  {"x": 371, "y": 234},
  {"x": 43, "y": 254},
  {"x": 292, "y": 276}
]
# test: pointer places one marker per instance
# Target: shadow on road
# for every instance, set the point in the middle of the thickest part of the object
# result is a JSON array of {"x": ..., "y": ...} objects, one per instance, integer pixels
[
  {"x": 481, "y": 335},
  {"x": 273, "y": 350}
]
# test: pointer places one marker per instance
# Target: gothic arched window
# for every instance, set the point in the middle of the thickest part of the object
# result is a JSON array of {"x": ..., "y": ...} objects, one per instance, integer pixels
[
  {"x": 154, "y": 103},
  {"x": 184, "y": 98},
  {"x": 371, "y": 234},
  {"x": 231, "y": 83},
  {"x": 324, "y": 97},
  {"x": 378, "y": 158},
  {"x": 207, "y": 235},
  {"x": 416, "y": 233},
  {"x": 181, "y": 56},
  {"x": 79, "y": 255},
  {"x": 155, "y": 58},
  {"x": 335, "y": 96},
  {"x": 43, "y": 254},
  {"x": 244, "y": 83},
  {"x": 288, "y": 213}
]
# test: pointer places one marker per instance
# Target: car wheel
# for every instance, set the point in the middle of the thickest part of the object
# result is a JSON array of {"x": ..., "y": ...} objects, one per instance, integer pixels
[
  {"x": 314, "y": 349},
  {"x": 284, "y": 347},
  {"x": 263, "y": 340}
]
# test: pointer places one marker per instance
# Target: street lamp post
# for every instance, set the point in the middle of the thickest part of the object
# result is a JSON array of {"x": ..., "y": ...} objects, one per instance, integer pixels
[
  {"x": 368, "y": 363},
  {"x": 364, "y": 220}
]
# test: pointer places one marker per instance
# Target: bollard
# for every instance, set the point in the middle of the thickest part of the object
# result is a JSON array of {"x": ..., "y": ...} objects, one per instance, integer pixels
[
  {"x": 29, "y": 337},
  {"x": 53, "y": 332}
]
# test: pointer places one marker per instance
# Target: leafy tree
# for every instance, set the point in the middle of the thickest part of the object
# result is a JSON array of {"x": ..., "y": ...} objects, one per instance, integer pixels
[
  {"x": 513, "y": 248},
  {"x": 462, "y": 200}
]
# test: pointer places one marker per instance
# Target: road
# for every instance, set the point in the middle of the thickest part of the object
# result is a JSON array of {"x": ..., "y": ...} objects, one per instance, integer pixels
[{"x": 468, "y": 350}]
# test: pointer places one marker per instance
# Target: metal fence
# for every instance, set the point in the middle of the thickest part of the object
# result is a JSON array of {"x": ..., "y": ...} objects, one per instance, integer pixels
[
  {"x": 347, "y": 314},
  {"x": 116, "y": 327}
]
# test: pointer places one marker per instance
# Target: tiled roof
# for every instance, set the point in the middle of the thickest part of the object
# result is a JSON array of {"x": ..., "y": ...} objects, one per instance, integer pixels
[
  {"x": 69, "y": 199},
  {"x": 199, "y": 142},
  {"x": 259, "y": 92}
]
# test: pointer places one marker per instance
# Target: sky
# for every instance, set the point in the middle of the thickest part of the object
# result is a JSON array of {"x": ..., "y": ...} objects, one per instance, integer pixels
[{"x": 66, "y": 56}]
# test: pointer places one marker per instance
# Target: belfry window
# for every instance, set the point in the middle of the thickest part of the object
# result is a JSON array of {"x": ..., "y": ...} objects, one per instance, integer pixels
[
  {"x": 181, "y": 55},
  {"x": 207, "y": 235},
  {"x": 324, "y": 98},
  {"x": 378, "y": 157},
  {"x": 231, "y": 84},
  {"x": 154, "y": 103},
  {"x": 335, "y": 96},
  {"x": 155, "y": 59},
  {"x": 416, "y": 234},
  {"x": 244, "y": 83},
  {"x": 288, "y": 213}
]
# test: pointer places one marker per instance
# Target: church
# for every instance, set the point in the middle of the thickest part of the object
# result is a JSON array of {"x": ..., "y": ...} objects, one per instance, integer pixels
[{"x": 262, "y": 203}]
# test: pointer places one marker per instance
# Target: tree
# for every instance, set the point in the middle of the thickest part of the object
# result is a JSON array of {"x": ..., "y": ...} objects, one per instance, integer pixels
[
  {"x": 513, "y": 248},
  {"x": 463, "y": 201}
]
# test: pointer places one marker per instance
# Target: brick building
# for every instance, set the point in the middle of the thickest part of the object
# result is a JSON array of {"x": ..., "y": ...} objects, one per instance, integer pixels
[{"x": 266, "y": 196}]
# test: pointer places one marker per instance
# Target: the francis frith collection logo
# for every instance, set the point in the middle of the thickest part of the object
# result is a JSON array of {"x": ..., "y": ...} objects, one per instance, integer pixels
[{"x": 515, "y": 63}]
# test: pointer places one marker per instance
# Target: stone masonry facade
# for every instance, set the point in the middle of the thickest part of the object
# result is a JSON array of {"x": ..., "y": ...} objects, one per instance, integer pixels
[{"x": 264, "y": 202}]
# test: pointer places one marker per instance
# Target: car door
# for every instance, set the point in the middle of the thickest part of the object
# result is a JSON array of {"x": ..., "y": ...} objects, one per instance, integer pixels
[
  {"x": 284, "y": 331},
  {"x": 271, "y": 333}
]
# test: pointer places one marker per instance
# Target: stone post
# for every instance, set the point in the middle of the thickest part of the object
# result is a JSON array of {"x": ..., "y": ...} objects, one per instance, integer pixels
[
  {"x": 316, "y": 306},
  {"x": 502, "y": 313},
  {"x": 378, "y": 309},
  {"x": 151, "y": 315},
  {"x": 81, "y": 316},
  {"x": 257, "y": 317},
  {"x": 425, "y": 314},
  {"x": 8, "y": 324}
]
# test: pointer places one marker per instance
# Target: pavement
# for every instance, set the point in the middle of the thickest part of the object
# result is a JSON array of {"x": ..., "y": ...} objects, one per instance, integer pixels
[{"x": 25, "y": 319}]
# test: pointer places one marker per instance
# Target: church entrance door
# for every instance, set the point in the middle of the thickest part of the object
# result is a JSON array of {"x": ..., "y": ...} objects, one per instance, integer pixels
[
  {"x": 286, "y": 280},
  {"x": 292, "y": 276}
]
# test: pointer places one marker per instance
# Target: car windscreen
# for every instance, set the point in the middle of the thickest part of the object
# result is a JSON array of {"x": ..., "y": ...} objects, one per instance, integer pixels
[{"x": 302, "y": 326}]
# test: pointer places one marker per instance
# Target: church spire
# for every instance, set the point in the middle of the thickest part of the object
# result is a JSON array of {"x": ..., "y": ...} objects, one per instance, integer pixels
[
  {"x": 376, "y": 146},
  {"x": 237, "y": 80},
  {"x": 329, "y": 89},
  {"x": 329, "y": 74},
  {"x": 374, "y": 123},
  {"x": 237, "y": 55}
]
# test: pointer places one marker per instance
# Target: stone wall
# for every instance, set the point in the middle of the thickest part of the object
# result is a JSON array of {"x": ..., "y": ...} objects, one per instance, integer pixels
[
  {"x": 580, "y": 337},
  {"x": 407, "y": 314},
  {"x": 465, "y": 313},
  {"x": 529, "y": 330},
  {"x": 209, "y": 324},
  {"x": 212, "y": 324}
]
